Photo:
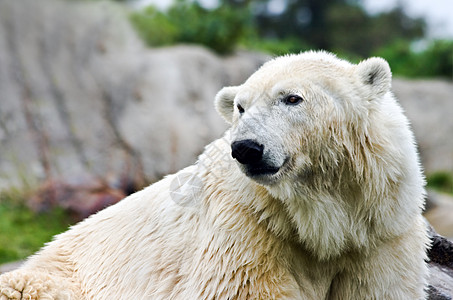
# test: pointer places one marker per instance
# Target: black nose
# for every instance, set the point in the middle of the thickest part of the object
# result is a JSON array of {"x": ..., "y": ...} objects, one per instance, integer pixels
[{"x": 247, "y": 151}]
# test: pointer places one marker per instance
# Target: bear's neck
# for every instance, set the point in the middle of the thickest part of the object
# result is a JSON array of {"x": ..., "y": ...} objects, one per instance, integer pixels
[
  {"x": 327, "y": 222},
  {"x": 318, "y": 225}
]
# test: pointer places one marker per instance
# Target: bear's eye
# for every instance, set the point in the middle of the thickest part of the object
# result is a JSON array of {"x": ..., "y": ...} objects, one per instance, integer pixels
[
  {"x": 240, "y": 109},
  {"x": 292, "y": 100}
]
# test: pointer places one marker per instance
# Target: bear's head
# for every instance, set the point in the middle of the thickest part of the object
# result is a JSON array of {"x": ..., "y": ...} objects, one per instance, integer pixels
[
  {"x": 328, "y": 139},
  {"x": 314, "y": 117}
]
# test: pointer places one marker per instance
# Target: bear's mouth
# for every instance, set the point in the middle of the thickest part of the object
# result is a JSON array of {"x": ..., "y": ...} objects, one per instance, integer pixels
[
  {"x": 263, "y": 173},
  {"x": 260, "y": 170}
]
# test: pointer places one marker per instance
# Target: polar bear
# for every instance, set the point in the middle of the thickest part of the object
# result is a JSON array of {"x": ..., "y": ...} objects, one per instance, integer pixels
[{"x": 315, "y": 192}]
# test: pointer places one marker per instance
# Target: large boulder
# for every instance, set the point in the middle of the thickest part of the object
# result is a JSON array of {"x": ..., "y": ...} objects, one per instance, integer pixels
[
  {"x": 82, "y": 98},
  {"x": 429, "y": 107}
]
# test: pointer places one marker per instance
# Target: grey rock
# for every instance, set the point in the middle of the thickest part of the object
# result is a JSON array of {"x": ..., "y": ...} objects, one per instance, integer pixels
[
  {"x": 439, "y": 212},
  {"x": 440, "y": 257},
  {"x": 429, "y": 107},
  {"x": 81, "y": 97}
]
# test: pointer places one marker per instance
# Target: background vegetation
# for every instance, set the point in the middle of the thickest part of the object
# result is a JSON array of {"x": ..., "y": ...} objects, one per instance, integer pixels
[
  {"x": 441, "y": 181},
  {"x": 341, "y": 26},
  {"x": 22, "y": 231}
]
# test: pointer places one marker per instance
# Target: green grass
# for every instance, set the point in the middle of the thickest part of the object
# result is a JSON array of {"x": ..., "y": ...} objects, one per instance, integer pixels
[
  {"x": 441, "y": 181},
  {"x": 23, "y": 232}
]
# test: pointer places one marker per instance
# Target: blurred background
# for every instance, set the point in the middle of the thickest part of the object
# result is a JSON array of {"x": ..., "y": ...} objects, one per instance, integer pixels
[{"x": 101, "y": 98}]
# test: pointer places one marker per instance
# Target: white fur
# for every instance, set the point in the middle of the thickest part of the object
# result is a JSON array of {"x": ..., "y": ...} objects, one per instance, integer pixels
[{"x": 341, "y": 219}]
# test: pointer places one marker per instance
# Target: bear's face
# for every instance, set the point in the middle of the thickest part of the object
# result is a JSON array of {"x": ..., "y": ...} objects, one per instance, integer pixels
[{"x": 292, "y": 118}]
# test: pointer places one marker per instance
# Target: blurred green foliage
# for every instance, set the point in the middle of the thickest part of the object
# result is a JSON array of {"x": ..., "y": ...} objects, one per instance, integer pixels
[
  {"x": 441, "y": 181},
  {"x": 435, "y": 60},
  {"x": 187, "y": 22},
  {"x": 23, "y": 232},
  {"x": 154, "y": 27},
  {"x": 341, "y": 26}
]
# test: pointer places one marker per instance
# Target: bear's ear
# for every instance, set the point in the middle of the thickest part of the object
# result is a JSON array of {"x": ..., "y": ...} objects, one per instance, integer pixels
[
  {"x": 375, "y": 73},
  {"x": 224, "y": 102}
]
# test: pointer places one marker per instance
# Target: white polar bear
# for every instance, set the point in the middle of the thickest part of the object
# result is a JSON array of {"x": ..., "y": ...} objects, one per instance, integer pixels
[{"x": 314, "y": 193}]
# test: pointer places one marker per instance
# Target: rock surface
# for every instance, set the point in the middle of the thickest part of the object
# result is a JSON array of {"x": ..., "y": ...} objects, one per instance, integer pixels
[
  {"x": 429, "y": 107},
  {"x": 441, "y": 268},
  {"x": 440, "y": 213},
  {"x": 82, "y": 98}
]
